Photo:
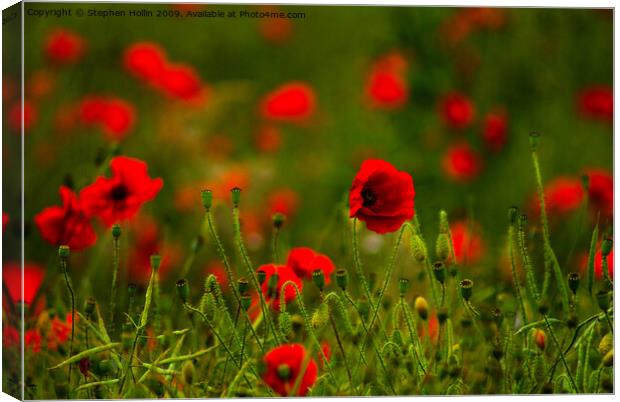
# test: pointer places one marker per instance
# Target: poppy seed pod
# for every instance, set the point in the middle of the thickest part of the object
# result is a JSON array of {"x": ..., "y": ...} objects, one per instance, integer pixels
[
  {"x": 89, "y": 308},
  {"x": 207, "y": 199},
  {"x": 342, "y": 279},
  {"x": 418, "y": 248},
  {"x": 284, "y": 372},
  {"x": 439, "y": 270},
  {"x": 64, "y": 252},
  {"x": 183, "y": 290},
  {"x": 318, "y": 277},
  {"x": 573, "y": 282},
  {"x": 606, "y": 247},
  {"x": 466, "y": 286},
  {"x": 534, "y": 140},
  {"x": 261, "y": 276},
  {"x": 606, "y": 344},
  {"x": 403, "y": 286},
  {"x": 442, "y": 246},
  {"x": 602, "y": 297},
  {"x": 116, "y": 231},
  {"x": 242, "y": 285},
  {"x": 235, "y": 194},
  {"x": 421, "y": 307},
  {"x": 278, "y": 220},
  {"x": 155, "y": 261},
  {"x": 442, "y": 315},
  {"x": 540, "y": 338}
]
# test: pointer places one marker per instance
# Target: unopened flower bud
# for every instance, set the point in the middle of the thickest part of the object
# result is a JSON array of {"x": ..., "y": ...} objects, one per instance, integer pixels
[
  {"x": 444, "y": 226},
  {"x": 235, "y": 194},
  {"x": 207, "y": 199},
  {"x": 242, "y": 285},
  {"x": 183, "y": 290},
  {"x": 320, "y": 316},
  {"x": 573, "y": 282},
  {"x": 418, "y": 248},
  {"x": 606, "y": 247},
  {"x": 585, "y": 182},
  {"x": 421, "y": 307},
  {"x": 602, "y": 297},
  {"x": 442, "y": 246},
  {"x": 466, "y": 285},
  {"x": 439, "y": 270},
  {"x": 342, "y": 279},
  {"x": 286, "y": 325},
  {"x": 116, "y": 231},
  {"x": 278, "y": 220},
  {"x": 606, "y": 344},
  {"x": 540, "y": 338},
  {"x": 318, "y": 277},
  {"x": 155, "y": 261},
  {"x": 131, "y": 289},
  {"x": 498, "y": 317},
  {"x": 403, "y": 286}
]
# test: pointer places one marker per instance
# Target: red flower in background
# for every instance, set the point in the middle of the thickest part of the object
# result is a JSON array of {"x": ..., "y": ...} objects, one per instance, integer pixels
[
  {"x": 285, "y": 274},
  {"x": 461, "y": 163},
  {"x": 468, "y": 245},
  {"x": 114, "y": 116},
  {"x": 5, "y": 220},
  {"x": 12, "y": 278},
  {"x": 495, "y": 131},
  {"x": 180, "y": 81},
  {"x": 381, "y": 196},
  {"x": 10, "y": 336},
  {"x": 268, "y": 139},
  {"x": 145, "y": 60},
  {"x": 456, "y": 110},
  {"x": 562, "y": 195},
  {"x": 293, "y": 102},
  {"x": 32, "y": 339},
  {"x": 601, "y": 191},
  {"x": 327, "y": 351},
  {"x": 304, "y": 261},
  {"x": 275, "y": 30},
  {"x": 386, "y": 89},
  {"x": 284, "y": 364},
  {"x": 596, "y": 102},
  {"x": 120, "y": 197},
  {"x": 67, "y": 225},
  {"x": 217, "y": 268},
  {"x": 64, "y": 47},
  {"x": 598, "y": 263},
  {"x": 40, "y": 84},
  {"x": 284, "y": 201},
  {"x": 15, "y": 116}
]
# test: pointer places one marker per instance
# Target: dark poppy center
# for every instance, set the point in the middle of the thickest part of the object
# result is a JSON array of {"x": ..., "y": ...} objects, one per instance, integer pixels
[
  {"x": 119, "y": 193},
  {"x": 369, "y": 196}
]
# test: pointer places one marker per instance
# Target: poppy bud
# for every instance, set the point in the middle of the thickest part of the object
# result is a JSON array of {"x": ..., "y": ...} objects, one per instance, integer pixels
[
  {"x": 64, "y": 252},
  {"x": 403, "y": 286},
  {"x": 188, "y": 372},
  {"x": 442, "y": 315},
  {"x": 418, "y": 248},
  {"x": 207, "y": 199},
  {"x": 602, "y": 297},
  {"x": 318, "y": 277},
  {"x": 246, "y": 302},
  {"x": 512, "y": 215},
  {"x": 235, "y": 194},
  {"x": 155, "y": 261},
  {"x": 606, "y": 247},
  {"x": 466, "y": 286},
  {"x": 421, "y": 306},
  {"x": 286, "y": 325},
  {"x": 608, "y": 359},
  {"x": 320, "y": 316},
  {"x": 89, "y": 308},
  {"x": 439, "y": 270},
  {"x": 442, "y": 246},
  {"x": 207, "y": 304},
  {"x": 606, "y": 344},
  {"x": 534, "y": 140},
  {"x": 261, "y": 275},
  {"x": 284, "y": 372},
  {"x": 342, "y": 279},
  {"x": 196, "y": 245},
  {"x": 272, "y": 285},
  {"x": 242, "y": 285},
  {"x": 573, "y": 282},
  {"x": 540, "y": 338},
  {"x": 278, "y": 220},
  {"x": 183, "y": 290},
  {"x": 444, "y": 226}
]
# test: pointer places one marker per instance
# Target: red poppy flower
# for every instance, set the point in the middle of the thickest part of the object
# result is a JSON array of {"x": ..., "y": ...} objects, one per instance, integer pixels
[
  {"x": 457, "y": 111},
  {"x": 10, "y": 336},
  {"x": 562, "y": 195},
  {"x": 598, "y": 263},
  {"x": 145, "y": 60},
  {"x": 275, "y": 30},
  {"x": 285, "y": 274},
  {"x": 217, "y": 269},
  {"x": 468, "y": 245},
  {"x": 601, "y": 191},
  {"x": 268, "y": 139},
  {"x": 64, "y": 47},
  {"x": 327, "y": 351},
  {"x": 284, "y": 201},
  {"x": 60, "y": 331},
  {"x": 40, "y": 84},
  {"x": 432, "y": 329},
  {"x": 304, "y": 261},
  {"x": 495, "y": 131},
  {"x": 15, "y": 116},
  {"x": 293, "y": 102},
  {"x": 32, "y": 339},
  {"x": 284, "y": 364},
  {"x": 596, "y": 102},
  {"x": 114, "y": 116},
  {"x": 386, "y": 89},
  {"x": 180, "y": 81},
  {"x": 461, "y": 163},
  {"x": 12, "y": 278},
  {"x": 5, "y": 220},
  {"x": 121, "y": 196},
  {"x": 381, "y": 196},
  {"x": 68, "y": 225}
]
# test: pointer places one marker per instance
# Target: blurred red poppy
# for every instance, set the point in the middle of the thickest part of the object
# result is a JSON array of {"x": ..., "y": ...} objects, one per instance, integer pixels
[
  {"x": 285, "y": 274},
  {"x": 293, "y": 102},
  {"x": 67, "y": 225},
  {"x": 217, "y": 269},
  {"x": 562, "y": 195},
  {"x": 495, "y": 132},
  {"x": 601, "y": 191},
  {"x": 304, "y": 261},
  {"x": 114, "y": 116},
  {"x": 268, "y": 139},
  {"x": 12, "y": 278},
  {"x": 386, "y": 89},
  {"x": 456, "y": 110},
  {"x": 327, "y": 351},
  {"x": 381, "y": 196},
  {"x": 40, "y": 84},
  {"x": 145, "y": 60},
  {"x": 120, "y": 197},
  {"x": 274, "y": 30},
  {"x": 596, "y": 102},
  {"x": 468, "y": 245},
  {"x": 461, "y": 163},
  {"x": 10, "y": 336},
  {"x": 32, "y": 339},
  {"x": 64, "y": 47},
  {"x": 180, "y": 81},
  {"x": 284, "y": 201},
  {"x": 284, "y": 364},
  {"x": 5, "y": 220},
  {"x": 14, "y": 116}
]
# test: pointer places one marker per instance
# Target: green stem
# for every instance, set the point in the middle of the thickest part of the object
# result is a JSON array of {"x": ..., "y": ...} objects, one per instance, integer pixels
[
  {"x": 543, "y": 219},
  {"x": 557, "y": 344},
  {"x": 115, "y": 269},
  {"x": 515, "y": 275},
  {"x": 529, "y": 271},
  {"x": 358, "y": 264},
  {"x": 64, "y": 268}
]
